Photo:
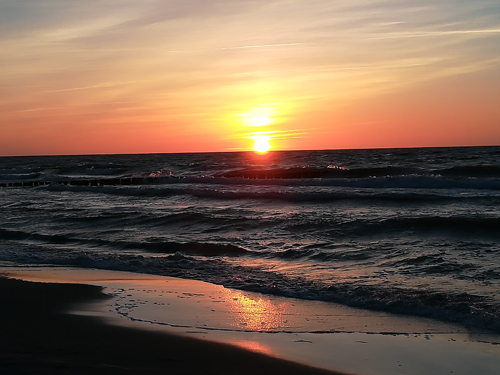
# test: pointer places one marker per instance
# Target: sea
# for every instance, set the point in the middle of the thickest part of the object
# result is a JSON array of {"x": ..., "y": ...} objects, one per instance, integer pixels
[{"x": 406, "y": 231}]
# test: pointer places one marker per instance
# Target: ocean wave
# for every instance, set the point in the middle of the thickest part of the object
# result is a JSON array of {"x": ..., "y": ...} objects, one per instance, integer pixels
[
  {"x": 19, "y": 177},
  {"x": 430, "y": 264},
  {"x": 457, "y": 226},
  {"x": 353, "y": 255},
  {"x": 471, "y": 171},
  {"x": 464, "y": 172},
  {"x": 165, "y": 179},
  {"x": 18, "y": 171},
  {"x": 205, "y": 249},
  {"x": 191, "y": 248},
  {"x": 289, "y": 195},
  {"x": 317, "y": 172}
]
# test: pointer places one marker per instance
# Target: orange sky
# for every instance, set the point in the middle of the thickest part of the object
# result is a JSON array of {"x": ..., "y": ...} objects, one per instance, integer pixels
[{"x": 85, "y": 77}]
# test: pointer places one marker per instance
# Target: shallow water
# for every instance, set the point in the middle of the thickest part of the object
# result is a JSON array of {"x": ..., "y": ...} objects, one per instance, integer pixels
[{"x": 412, "y": 231}]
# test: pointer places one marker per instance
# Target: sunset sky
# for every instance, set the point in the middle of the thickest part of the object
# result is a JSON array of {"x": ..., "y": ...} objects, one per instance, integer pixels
[{"x": 121, "y": 76}]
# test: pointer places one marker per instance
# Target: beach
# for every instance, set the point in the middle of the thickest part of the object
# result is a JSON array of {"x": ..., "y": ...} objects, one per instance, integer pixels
[
  {"x": 78, "y": 321},
  {"x": 38, "y": 337}
]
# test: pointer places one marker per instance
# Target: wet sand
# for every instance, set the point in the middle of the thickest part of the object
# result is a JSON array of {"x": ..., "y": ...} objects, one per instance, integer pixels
[{"x": 150, "y": 324}]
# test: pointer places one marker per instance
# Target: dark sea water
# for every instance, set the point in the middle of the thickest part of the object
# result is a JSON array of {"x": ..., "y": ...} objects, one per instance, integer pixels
[{"x": 409, "y": 231}]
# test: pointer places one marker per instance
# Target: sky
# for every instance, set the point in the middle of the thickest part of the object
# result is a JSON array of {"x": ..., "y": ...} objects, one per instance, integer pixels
[{"x": 154, "y": 76}]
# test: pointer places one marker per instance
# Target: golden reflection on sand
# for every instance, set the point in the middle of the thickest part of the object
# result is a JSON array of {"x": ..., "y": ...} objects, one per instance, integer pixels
[
  {"x": 254, "y": 346},
  {"x": 256, "y": 314}
]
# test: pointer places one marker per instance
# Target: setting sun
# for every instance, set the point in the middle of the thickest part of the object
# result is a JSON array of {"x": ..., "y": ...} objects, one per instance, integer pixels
[
  {"x": 261, "y": 144},
  {"x": 265, "y": 117}
]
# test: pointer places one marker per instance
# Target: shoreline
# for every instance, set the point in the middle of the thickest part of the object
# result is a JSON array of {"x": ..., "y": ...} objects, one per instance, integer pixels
[
  {"x": 38, "y": 337},
  {"x": 263, "y": 332}
]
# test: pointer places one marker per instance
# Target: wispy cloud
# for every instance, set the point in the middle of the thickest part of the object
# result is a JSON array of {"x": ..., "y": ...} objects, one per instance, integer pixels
[
  {"x": 264, "y": 46},
  {"x": 193, "y": 59},
  {"x": 420, "y": 34}
]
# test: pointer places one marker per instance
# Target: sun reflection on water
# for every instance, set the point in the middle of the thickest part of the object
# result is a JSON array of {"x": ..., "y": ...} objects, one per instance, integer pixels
[{"x": 256, "y": 314}]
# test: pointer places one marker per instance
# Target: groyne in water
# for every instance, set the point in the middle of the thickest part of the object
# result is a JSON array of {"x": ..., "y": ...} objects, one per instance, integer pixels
[
  {"x": 88, "y": 182},
  {"x": 279, "y": 174}
]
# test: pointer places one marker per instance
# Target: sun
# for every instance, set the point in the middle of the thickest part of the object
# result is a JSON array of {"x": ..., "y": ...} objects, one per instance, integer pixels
[{"x": 261, "y": 145}]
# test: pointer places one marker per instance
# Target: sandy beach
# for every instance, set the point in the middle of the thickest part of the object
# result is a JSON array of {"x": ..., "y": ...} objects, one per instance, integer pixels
[
  {"x": 39, "y": 337},
  {"x": 75, "y": 321}
]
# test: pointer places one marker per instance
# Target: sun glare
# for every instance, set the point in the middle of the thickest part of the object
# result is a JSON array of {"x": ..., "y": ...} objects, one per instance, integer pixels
[
  {"x": 261, "y": 144},
  {"x": 258, "y": 116},
  {"x": 262, "y": 116}
]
